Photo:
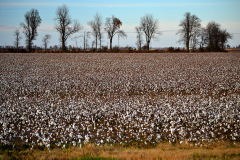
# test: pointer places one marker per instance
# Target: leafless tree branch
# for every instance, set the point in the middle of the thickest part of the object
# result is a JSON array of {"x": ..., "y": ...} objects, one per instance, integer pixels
[
  {"x": 63, "y": 25},
  {"x": 17, "y": 38},
  {"x": 150, "y": 28},
  {"x": 46, "y": 40},
  {"x": 190, "y": 26},
  {"x": 32, "y": 21},
  {"x": 112, "y": 27}
]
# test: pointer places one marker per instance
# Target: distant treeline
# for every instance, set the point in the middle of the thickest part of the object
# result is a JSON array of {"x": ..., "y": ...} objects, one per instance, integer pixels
[
  {"x": 211, "y": 38},
  {"x": 114, "y": 50}
]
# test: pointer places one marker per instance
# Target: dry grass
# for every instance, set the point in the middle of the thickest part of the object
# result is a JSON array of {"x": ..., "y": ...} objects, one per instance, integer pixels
[
  {"x": 171, "y": 152},
  {"x": 233, "y": 50},
  {"x": 219, "y": 150}
]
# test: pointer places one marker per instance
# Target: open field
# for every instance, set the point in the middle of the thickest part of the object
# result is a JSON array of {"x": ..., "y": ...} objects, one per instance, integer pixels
[{"x": 125, "y": 100}]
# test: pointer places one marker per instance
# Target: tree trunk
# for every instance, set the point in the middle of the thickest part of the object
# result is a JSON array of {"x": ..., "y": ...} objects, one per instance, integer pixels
[
  {"x": 148, "y": 42},
  {"x": 100, "y": 41},
  {"x": 222, "y": 46},
  {"x": 187, "y": 42},
  {"x": 96, "y": 43},
  {"x": 17, "y": 46},
  {"x": 84, "y": 45},
  {"x": 63, "y": 45},
  {"x": 111, "y": 43},
  {"x": 29, "y": 45},
  {"x": 187, "y": 46},
  {"x": 84, "y": 42}
]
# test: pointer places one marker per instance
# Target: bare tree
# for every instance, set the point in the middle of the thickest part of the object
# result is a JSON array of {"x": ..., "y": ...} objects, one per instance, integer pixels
[
  {"x": 93, "y": 42},
  {"x": 189, "y": 26},
  {"x": 94, "y": 27},
  {"x": 75, "y": 39},
  {"x": 32, "y": 20},
  {"x": 86, "y": 36},
  {"x": 139, "y": 37},
  {"x": 195, "y": 40},
  {"x": 216, "y": 37},
  {"x": 213, "y": 30},
  {"x": 224, "y": 36},
  {"x": 150, "y": 28},
  {"x": 63, "y": 25},
  {"x": 46, "y": 40},
  {"x": 112, "y": 27},
  {"x": 98, "y": 20},
  {"x": 203, "y": 40},
  {"x": 17, "y": 38}
]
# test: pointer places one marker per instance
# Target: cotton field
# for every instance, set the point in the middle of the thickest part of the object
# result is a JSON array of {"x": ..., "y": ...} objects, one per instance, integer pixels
[{"x": 120, "y": 98}]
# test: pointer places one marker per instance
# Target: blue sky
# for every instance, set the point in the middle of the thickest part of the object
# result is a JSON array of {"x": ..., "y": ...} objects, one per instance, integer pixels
[{"x": 168, "y": 13}]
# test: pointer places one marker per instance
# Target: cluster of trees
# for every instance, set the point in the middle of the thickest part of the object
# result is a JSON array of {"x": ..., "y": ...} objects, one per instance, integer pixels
[
  {"x": 210, "y": 38},
  {"x": 192, "y": 34}
]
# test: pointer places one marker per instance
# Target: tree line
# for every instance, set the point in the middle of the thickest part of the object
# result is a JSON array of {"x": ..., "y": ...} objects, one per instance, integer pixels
[
  {"x": 210, "y": 38},
  {"x": 192, "y": 34}
]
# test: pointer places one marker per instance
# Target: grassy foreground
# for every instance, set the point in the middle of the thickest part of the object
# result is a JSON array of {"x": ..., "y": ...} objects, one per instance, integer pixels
[{"x": 220, "y": 150}]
